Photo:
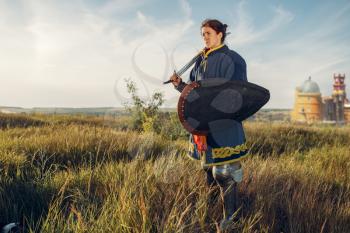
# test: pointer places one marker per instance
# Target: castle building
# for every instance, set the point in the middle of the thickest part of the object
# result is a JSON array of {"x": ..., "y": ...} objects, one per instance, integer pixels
[{"x": 311, "y": 107}]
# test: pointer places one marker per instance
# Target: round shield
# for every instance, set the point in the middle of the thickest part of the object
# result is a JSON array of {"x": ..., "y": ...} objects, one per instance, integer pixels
[{"x": 214, "y": 99}]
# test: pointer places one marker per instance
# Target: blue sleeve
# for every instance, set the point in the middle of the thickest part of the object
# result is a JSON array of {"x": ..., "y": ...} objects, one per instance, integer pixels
[
  {"x": 228, "y": 67},
  {"x": 234, "y": 70}
]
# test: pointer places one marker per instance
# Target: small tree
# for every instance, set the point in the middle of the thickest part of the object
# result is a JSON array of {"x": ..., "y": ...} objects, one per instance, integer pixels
[{"x": 145, "y": 114}]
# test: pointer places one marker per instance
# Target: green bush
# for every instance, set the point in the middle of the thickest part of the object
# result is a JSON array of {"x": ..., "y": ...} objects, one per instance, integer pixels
[{"x": 145, "y": 113}]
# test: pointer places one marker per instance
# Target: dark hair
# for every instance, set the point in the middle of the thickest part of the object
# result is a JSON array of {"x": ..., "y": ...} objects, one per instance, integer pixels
[{"x": 217, "y": 26}]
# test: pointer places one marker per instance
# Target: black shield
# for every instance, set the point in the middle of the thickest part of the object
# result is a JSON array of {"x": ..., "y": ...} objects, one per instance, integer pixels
[{"x": 214, "y": 99}]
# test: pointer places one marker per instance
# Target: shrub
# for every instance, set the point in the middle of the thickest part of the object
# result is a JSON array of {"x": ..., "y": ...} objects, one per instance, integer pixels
[{"x": 145, "y": 113}]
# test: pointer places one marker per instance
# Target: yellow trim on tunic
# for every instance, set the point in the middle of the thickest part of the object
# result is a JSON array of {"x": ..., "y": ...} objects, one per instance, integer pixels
[
  {"x": 212, "y": 50},
  {"x": 223, "y": 152},
  {"x": 241, "y": 147},
  {"x": 225, "y": 162},
  {"x": 206, "y": 54}
]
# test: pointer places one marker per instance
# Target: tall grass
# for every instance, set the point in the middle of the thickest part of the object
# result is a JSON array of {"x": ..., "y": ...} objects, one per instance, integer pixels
[{"x": 69, "y": 176}]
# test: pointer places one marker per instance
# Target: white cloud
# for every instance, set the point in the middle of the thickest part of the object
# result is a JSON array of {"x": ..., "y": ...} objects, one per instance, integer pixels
[
  {"x": 71, "y": 54},
  {"x": 118, "y": 6},
  {"x": 245, "y": 33},
  {"x": 186, "y": 8},
  {"x": 71, "y": 50}
]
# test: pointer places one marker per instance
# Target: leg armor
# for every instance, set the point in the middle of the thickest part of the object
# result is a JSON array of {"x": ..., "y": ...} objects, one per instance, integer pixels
[
  {"x": 227, "y": 176},
  {"x": 209, "y": 176}
]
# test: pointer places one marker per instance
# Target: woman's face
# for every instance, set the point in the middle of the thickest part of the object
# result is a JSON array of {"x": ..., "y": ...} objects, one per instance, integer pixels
[{"x": 210, "y": 37}]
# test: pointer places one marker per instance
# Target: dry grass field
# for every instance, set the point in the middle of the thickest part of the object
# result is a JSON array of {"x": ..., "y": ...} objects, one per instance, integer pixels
[{"x": 94, "y": 174}]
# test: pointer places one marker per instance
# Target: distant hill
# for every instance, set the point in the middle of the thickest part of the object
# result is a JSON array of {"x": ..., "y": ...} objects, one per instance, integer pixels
[
  {"x": 262, "y": 115},
  {"x": 271, "y": 115},
  {"x": 88, "y": 111}
]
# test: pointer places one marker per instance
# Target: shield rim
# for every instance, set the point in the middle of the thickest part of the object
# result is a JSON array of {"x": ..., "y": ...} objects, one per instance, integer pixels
[{"x": 180, "y": 109}]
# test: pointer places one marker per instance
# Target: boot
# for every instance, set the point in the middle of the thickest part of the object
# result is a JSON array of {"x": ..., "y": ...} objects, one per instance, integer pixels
[
  {"x": 209, "y": 177},
  {"x": 229, "y": 194}
]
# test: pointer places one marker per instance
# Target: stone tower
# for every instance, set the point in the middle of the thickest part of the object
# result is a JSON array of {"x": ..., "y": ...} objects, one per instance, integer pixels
[
  {"x": 339, "y": 97},
  {"x": 308, "y": 103}
]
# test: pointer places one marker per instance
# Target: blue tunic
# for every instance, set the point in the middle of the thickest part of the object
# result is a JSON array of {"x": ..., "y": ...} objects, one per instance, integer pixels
[{"x": 226, "y": 139}]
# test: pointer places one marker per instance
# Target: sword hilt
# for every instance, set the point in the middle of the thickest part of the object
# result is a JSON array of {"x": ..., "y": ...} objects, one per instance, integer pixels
[{"x": 169, "y": 81}]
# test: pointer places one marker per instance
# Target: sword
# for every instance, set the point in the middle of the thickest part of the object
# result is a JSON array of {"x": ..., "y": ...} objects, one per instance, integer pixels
[{"x": 185, "y": 68}]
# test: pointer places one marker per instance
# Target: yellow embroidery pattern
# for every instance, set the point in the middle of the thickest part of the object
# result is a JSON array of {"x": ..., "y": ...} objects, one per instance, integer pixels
[{"x": 223, "y": 152}]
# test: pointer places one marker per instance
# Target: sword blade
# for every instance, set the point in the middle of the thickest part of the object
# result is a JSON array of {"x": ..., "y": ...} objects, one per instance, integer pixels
[{"x": 185, "y": 67}]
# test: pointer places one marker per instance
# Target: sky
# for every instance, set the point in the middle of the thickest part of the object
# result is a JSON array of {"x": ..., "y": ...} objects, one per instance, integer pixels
[{"x": 78, "y": 53}]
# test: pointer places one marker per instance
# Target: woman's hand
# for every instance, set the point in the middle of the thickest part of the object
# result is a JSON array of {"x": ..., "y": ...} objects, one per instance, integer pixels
[{"x": 176, "y": 80}]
